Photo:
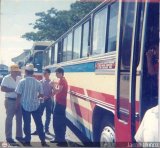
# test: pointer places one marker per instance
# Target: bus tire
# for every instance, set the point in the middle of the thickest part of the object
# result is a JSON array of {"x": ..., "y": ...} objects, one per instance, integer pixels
[{"x": 107, "y": 134}]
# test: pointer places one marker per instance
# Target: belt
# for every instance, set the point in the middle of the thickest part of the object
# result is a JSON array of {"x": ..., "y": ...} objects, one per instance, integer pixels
[{"x": 13, "y": 99}]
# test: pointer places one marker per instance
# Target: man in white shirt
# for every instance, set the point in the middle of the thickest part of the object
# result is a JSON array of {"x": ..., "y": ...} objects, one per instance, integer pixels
[
  {"x": 8, "y": 86},
  {"x": 148, "y": 130}
]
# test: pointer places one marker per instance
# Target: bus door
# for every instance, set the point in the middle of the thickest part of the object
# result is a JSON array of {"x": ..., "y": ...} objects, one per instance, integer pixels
[{"x": 127, "y": 58}]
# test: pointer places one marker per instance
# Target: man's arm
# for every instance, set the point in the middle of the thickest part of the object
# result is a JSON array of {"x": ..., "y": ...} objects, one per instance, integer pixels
[
  {"x": 55, "y": 90},
  {"x": 58, "y": 90},
  {"x": 18, "y": 90},
  {"x": 5, "y": 85},
  {"x": 40, "y": 95},
  {"x": 18, "y": 100},
  {"x": 6, "y": 89}
]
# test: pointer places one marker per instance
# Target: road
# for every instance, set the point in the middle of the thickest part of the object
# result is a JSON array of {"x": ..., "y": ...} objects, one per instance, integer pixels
[{"x": 70, "y": 136}]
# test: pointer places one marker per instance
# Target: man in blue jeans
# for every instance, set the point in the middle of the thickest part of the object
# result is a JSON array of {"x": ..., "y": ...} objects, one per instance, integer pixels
[
  {"x": 29, "y": 90},
  {"x": 59, "y": 113},
  {"x": 46, "y": 102}
]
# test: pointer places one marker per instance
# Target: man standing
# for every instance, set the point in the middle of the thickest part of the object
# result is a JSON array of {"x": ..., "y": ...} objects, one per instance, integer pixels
[
  {"x": 47, "y": 101},
  {"x": 29, "y": 91},
  {"x": 148, "y": 129},
  {"x": 8, "y": 86},
  {"x": 59, "y": 114}
]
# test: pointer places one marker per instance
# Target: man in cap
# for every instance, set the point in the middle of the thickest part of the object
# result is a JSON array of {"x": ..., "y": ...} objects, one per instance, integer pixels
[
  {"x": 8, "y": 86},
  {"x": 29, "y": 91}
]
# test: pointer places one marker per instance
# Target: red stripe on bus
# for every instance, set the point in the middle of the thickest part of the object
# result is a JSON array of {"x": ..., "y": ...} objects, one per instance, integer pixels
[
  {"x": 107, "y": 98},
  {"x": 104, "y": 98},
  {"x": 101, "y": 96},
  {"x": 81, "y": 111},
  {"x": 77, "y": 89}
]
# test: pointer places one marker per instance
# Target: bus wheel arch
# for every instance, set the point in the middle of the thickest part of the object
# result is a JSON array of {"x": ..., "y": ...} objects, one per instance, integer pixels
[
  {"x": 101, "y": 118},
  {"x": 107, "y": 133}
]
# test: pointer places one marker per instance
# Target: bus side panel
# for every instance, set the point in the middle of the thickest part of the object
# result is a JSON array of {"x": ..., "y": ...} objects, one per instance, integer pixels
[{"x": 86, "y": 89}]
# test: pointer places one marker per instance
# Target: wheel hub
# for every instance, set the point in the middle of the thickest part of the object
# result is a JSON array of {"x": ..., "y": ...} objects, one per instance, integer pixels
[{"x": 107, "y": 137}]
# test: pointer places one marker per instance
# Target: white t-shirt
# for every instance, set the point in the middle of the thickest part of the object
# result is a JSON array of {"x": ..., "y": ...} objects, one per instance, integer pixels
[
  {"x": 9, "y": 82},
  {"x": 148, "y": 129}
]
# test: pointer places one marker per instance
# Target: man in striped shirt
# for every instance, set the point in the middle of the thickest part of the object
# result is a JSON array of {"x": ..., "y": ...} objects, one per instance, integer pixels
[{"x": 29, "y": 91}]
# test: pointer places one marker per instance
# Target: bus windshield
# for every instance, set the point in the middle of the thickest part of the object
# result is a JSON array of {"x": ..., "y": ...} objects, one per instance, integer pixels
[
  {"x": 38, "y": 61},
  {"x": 40, "y": 47}
]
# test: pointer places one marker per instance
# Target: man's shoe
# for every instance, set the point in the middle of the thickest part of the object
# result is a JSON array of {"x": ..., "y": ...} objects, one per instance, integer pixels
[
  {"x": 53, "y": 141},
  {"x": 20, "y": 139},
  {"x": 34, "y": 133},
  {"x": 27, "y": 144},
  {"x": 11, "y": 142},
  {"x": 44, "y": 144},
  {"x": 62, "y": 144}
]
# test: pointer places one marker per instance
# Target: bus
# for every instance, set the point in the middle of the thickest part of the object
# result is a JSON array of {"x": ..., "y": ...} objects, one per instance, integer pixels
[
  {"x": 104, "y": 59},
  {"x": 36, "y": 57}
]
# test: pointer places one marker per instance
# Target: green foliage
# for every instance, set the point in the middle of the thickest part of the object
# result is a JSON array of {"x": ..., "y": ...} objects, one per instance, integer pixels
[{"x": 52, "y": 24}]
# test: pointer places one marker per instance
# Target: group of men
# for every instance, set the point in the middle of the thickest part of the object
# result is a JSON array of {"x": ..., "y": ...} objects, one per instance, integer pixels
[{"x": 26, "y": 97}]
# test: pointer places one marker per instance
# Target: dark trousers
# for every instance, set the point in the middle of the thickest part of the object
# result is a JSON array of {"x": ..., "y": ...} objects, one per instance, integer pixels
[
  {"x": 48, "y": 103},
  {"x": 27, "y": 124},
  {"x": 59, "y": 122}
]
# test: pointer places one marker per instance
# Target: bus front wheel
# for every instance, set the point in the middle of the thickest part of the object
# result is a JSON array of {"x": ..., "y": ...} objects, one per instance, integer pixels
[{"x": 107, "y": 136}]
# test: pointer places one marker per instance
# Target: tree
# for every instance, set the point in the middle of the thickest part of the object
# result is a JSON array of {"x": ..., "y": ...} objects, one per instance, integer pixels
[{"x": 52, "y": 24}]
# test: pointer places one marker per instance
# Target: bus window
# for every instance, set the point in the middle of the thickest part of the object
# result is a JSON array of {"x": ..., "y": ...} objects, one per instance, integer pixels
[
  {"x": 47, "y": 57},
  {"x": 52, "y": 54},
  {"x": 77, "y": 43},
  {"x": 99, "y": 32},
  {"x": 69, "y": 47},
  {"x": 60, "y": 51},
  {"x": 64, "y": 50},
  {"x": 38, "y": 61},
  {"x": 128, "y": 18},
  {"x": 125, "y": 55},
  {"x": 112, "y": 32},
  {"x": 55, "y": 53},
  {"x": 85, "y": 41},
  {"x": 44, "y": 59}
]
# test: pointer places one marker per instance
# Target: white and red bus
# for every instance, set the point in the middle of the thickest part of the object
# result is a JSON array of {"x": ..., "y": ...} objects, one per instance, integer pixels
[
  {"x": 36, "y": 57},
  {"x": 104, "y": 58}
]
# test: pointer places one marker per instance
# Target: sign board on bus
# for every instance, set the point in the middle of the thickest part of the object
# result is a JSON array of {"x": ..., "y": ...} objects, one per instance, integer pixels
[{"x": 105, "y": 66}]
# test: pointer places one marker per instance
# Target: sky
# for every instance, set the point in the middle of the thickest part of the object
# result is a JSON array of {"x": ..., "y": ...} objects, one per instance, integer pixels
[{"x": 15, "y": 16}]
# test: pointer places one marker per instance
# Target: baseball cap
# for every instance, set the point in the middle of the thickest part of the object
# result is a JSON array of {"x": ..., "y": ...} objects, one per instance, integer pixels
[{"x": 29, "y": 67}]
